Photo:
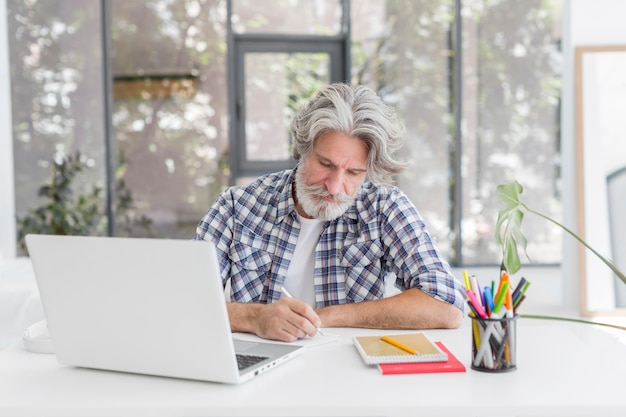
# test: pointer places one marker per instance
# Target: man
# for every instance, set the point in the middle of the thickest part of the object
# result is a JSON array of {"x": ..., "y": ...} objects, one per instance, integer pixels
[{"x": 327, "y": 236}]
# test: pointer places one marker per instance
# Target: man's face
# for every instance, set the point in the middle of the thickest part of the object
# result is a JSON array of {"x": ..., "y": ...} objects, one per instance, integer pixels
[{"x": 329, "y": 177}]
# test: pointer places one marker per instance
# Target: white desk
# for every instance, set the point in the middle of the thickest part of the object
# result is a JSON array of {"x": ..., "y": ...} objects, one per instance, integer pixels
[
  {"x": 20, "y": 305},
  {"x": 563, "y": 370}
]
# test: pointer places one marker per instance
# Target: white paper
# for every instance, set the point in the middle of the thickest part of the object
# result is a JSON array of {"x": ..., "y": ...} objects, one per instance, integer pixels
[{"x": 307, "y": 342}]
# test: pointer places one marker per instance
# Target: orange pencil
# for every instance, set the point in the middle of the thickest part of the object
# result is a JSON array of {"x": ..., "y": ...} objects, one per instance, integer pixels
[{"x": 398, "y": 344}]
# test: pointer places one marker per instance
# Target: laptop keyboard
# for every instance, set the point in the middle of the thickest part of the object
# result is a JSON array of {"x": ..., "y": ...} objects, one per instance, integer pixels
[{"x": 244, "y": 361}]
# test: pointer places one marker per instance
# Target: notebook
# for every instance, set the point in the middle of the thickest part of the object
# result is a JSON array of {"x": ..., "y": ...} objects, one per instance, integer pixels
[
  {"x": 147, "y": 306},
  {"x": 374, "y": 350},
  {"x": 451, "y": 365}
]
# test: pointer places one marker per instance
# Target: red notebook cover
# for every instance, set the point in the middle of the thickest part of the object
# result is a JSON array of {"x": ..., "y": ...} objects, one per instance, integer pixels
[{"x": 452, "y": 365}]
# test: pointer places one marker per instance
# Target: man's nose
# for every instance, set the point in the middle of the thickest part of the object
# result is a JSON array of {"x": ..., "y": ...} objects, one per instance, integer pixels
[{"x": 334, "y": 182}]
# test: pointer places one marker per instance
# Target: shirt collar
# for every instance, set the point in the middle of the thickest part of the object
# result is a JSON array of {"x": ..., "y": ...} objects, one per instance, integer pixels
[{"x": 286, "y": 205}]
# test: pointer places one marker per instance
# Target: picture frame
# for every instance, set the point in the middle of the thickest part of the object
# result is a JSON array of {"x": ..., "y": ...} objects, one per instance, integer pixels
[{"x": 601, "y": 175}]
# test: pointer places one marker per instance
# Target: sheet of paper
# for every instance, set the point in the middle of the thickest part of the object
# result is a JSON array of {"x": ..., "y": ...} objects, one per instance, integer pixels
[{"x": 307, "y": 342}]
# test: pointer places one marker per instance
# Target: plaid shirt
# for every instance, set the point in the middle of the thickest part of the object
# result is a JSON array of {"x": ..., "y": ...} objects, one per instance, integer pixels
[{"x": 382, "y": 235}]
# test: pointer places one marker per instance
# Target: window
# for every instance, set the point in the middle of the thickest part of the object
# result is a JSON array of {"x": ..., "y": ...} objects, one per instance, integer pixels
[
  {"x": 478, "y": 88},
  {"x": 58, "y": 100},
  {"x": 278, "y": 63},
  {"x": 476, "y": 82},
  {"x": 170, "y": 114}
]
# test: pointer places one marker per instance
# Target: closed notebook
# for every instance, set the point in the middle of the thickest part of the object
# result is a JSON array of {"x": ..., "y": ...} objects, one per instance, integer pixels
[
  {"x": 374, "y": 350},
  {"x": 451, "y": 365}
]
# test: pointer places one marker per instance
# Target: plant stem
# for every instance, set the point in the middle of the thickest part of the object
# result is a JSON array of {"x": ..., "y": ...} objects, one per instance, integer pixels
[
  {"x": 607, "y": 261},
  {"x": 532, "y": 316}
]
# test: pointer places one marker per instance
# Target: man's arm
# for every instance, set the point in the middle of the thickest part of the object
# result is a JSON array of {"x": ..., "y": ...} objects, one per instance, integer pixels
[
  {"x": 287, "y": 319},
  {"x": 411, "y": 309}
]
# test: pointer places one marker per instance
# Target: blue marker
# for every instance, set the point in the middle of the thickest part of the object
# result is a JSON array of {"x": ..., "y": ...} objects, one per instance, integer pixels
[{"x": 488, "y": 296}]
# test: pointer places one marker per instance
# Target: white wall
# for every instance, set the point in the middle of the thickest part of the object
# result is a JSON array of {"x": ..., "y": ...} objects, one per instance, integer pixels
[
  {"x": 586, "y": 23},
  {"x": 597, "y": 22},
  {"x": 7, "y": 191}
]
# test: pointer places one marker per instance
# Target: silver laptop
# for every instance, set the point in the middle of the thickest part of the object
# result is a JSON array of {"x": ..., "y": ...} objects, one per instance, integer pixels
[{"x": 148, "y": 306}]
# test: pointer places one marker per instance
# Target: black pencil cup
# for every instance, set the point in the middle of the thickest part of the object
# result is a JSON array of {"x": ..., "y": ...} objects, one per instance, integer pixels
[{"x": 494, "y": 344}]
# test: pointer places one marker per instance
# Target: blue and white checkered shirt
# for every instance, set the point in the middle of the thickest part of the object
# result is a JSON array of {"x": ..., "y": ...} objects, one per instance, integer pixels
[{"x": 255, "y": 229}]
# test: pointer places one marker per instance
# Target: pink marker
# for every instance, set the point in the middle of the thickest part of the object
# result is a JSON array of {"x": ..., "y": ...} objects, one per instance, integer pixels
[{"x": 478, "y": 306}]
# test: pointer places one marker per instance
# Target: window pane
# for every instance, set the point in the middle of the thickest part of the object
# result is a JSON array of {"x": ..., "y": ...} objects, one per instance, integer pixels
[
  {"x": 312, "y": 17},
  {"x": 510, "y": 90},
  {"x": 511, "y": 98},
  {"x": 276, "y": 84},
  {"x": 170, "y": 112},
  {"x": 400, "y": 50},
  {"x": 57, "y": 105}
]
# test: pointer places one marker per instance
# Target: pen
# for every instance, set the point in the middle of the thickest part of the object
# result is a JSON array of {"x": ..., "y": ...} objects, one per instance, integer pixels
[
  {"x": 286, "y": 294},
  {"x": 398, "y": 344}
]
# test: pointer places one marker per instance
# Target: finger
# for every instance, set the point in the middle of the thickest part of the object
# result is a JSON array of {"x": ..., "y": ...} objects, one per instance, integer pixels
[
  {"x": 279, "y": 321},
  {"x": 306, "y": 311},
  {"x": 305, "y": 317}
]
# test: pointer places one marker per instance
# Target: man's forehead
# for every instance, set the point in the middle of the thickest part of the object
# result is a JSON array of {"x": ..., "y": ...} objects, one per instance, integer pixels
[{"x": 342, "y": 150}]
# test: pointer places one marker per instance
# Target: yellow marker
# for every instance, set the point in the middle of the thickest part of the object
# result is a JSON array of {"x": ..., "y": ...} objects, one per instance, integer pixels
[
  {"x": 468, "y": 286},
  {"x": 398, "y": 344}
]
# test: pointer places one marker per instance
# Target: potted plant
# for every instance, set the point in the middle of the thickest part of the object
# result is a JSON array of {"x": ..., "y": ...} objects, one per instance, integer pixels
[{"x": 511, "y": 239}]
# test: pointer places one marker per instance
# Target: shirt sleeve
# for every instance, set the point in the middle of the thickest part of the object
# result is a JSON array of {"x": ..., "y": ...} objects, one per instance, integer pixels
[
  {"x": 217, "y": 226},
  {"x": 413, "y": 256}
]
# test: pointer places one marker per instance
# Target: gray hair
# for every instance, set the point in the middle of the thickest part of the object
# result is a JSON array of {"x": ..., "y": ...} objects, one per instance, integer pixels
[{"x": 355, "y": 111}]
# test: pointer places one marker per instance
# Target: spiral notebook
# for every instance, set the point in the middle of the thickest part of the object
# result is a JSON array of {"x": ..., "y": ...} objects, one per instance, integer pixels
[{"x": 374, "y": 350}]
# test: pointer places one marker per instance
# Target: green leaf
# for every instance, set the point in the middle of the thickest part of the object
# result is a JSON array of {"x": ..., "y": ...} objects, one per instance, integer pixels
[
  {"x": 509, "y": 235},
  {"x": 508, "y": 226}
]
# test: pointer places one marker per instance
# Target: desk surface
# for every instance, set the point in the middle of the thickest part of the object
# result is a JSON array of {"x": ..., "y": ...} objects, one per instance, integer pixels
[{"x": 563, "y": 370}]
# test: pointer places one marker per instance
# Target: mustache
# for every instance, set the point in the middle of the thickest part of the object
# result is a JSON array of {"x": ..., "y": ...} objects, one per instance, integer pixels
[{"x": 321, "y": 192}]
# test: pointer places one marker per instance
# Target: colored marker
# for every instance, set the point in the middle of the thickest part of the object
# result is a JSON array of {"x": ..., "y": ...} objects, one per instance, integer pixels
[
  {"x": 519, "y": 287},
  {"x": 488, "y": 296},
  {"x": 477, "y": 306},
  {"x": 468, "y": 286},
  {"x": 477, "y": 290},
  {"x": 500, "y": 297},
  {"x": 508, "y": 302},
  {"x": 520, "y": 295}
]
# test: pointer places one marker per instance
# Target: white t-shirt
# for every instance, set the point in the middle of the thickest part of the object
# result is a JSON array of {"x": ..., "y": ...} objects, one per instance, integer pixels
[{"x": 299, "y": 281}]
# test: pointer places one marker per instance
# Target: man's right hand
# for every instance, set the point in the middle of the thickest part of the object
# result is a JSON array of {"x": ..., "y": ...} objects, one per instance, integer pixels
[{"x": 286, "y": 320}]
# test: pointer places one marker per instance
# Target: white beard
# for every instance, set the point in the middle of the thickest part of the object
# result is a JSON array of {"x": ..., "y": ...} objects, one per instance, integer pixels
[{"x": 311, "y": 199}]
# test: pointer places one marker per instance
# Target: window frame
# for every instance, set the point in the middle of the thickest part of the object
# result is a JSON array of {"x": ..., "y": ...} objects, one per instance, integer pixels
[{"x": 239, "y": 44}]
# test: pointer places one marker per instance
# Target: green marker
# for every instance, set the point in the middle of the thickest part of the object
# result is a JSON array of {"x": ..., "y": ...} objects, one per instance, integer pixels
[{"x": 501, "y": 295}]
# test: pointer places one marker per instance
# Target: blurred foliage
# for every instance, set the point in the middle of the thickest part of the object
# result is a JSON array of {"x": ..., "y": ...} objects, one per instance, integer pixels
[
  {"x": 509, "y": 86},
  {"x": 402, "y": 48},
  {"x": 65, "y": 214}
]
